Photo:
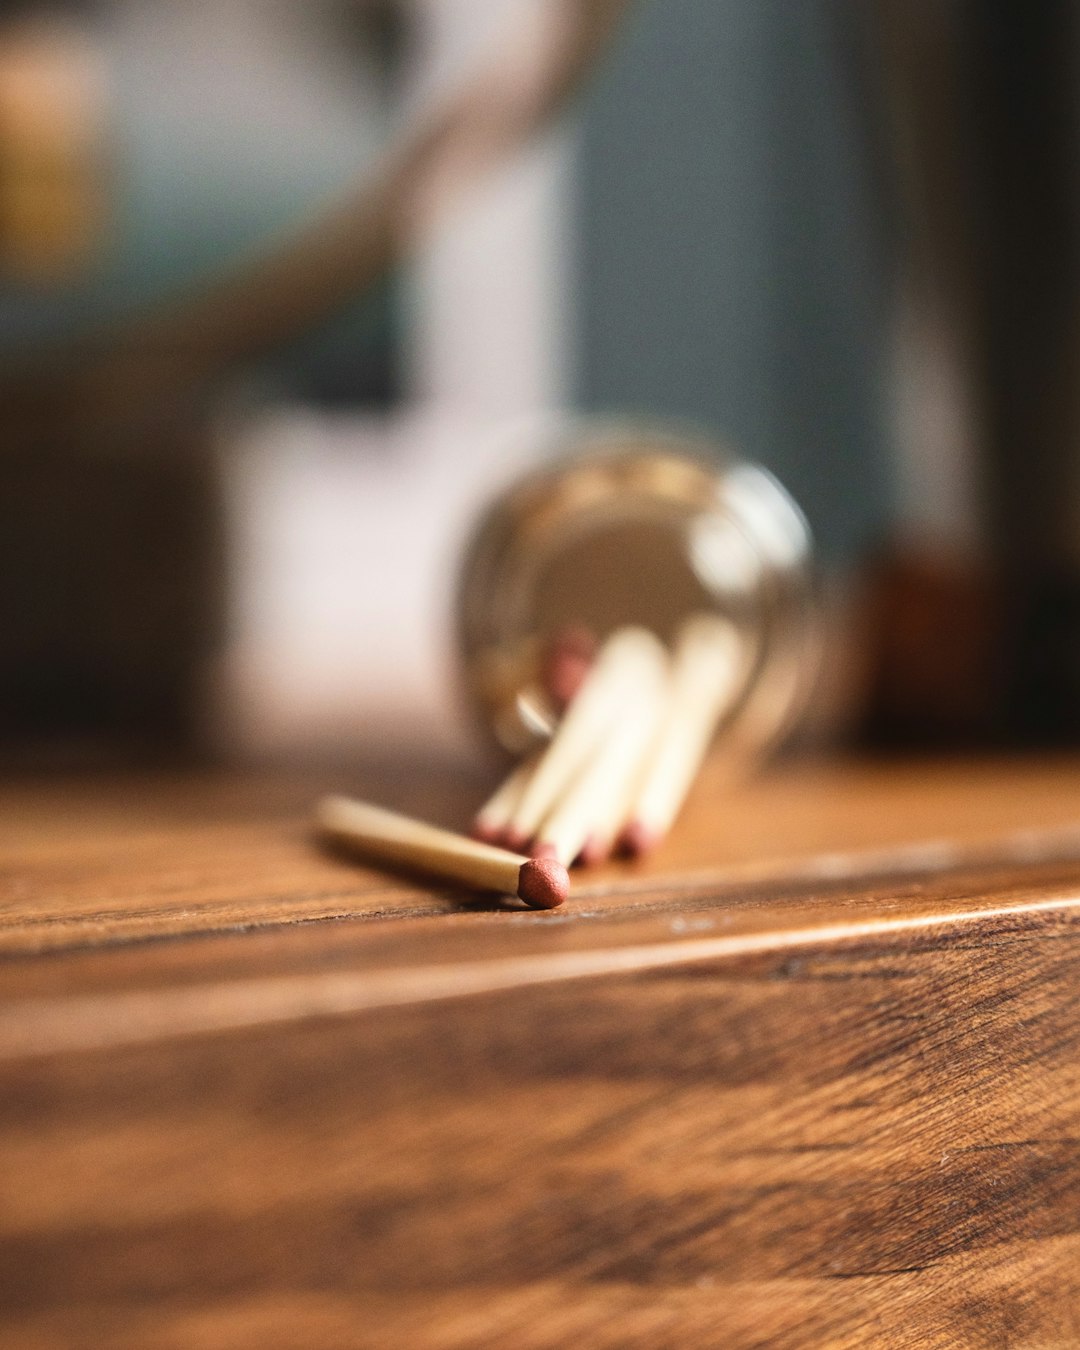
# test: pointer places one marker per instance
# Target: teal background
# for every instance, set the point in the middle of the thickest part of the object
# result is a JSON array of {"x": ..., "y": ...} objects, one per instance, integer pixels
[{"x": 730, "y": 265}]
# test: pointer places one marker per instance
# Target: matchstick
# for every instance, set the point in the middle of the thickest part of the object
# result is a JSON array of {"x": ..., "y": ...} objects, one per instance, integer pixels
[
  {"x": 587, "y": 818},
  {"x": 596, "y": 708},
  {"x": 493, "y": 817},
  {"x": 541, "y": 882},
  {"x": 708, "y": 668}
]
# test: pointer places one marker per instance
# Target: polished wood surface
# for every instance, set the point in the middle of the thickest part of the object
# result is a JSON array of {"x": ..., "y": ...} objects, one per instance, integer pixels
[
  {"x": 90, "y": 861},
  {"x": 810, "y": 1077}
]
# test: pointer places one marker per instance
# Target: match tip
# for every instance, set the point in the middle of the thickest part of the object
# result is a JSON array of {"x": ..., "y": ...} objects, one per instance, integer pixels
[
  {"x": 542, "y": 848},
  {"x": 514, "y": 840},
  {"x": 568, "y": 659},
  {"x": 543, "y": 883},
  {"x": 637, "y": 839},
  {"x": 595, "y": 850},
  {"x": 483, "y": 833}
]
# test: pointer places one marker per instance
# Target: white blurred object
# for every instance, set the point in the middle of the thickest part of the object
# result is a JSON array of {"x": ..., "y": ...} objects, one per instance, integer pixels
[
  {"x": 347, "y": 530},
  {"x": 346, "y": 534},
  {"x": 934, "y": 428},
  {"x": 491, "y": 281}
]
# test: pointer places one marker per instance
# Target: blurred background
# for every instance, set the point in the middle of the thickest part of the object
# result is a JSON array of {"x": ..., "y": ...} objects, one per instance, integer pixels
[{"x": 237, "y": 471}]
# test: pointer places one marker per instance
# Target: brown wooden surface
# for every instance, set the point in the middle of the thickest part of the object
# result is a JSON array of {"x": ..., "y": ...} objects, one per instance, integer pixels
[
  {"x": 811, "y": 1077},
  {"x": 90, "y": 861}
]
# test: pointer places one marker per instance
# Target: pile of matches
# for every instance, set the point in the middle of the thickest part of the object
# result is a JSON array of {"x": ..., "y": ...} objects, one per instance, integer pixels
[
  {"x": 613, "y": 777},
  {"x": 623, "y": 757}
]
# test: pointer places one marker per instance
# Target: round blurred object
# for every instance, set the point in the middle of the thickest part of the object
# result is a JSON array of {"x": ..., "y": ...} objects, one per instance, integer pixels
[{"x": 634, "y": 526}]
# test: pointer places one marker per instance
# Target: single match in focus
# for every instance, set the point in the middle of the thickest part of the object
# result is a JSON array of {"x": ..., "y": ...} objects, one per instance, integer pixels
[{"x": 542, "y": 883}]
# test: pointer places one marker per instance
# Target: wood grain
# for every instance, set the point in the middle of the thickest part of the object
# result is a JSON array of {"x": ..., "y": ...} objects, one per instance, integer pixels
[
  {"x": 824, "y": 1095},
  {"x": 92, "y": 861}
]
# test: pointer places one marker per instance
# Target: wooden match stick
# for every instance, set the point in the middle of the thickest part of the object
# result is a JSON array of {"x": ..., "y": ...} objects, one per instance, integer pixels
[
  {"x": 541, "y": 882},
  {"x": 596, "y": 708},
  {"x": 587, "y": 818},
  {"x": 708, "y": 668},
  {"x": 494, "y": 816}
]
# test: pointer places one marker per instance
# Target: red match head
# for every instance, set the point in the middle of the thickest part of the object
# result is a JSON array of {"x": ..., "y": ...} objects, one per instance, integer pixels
[{"x": 543, "y": 883}]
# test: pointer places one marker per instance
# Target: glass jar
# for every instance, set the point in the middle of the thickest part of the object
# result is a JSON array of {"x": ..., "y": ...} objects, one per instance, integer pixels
[{"x": 635, "y": 525}]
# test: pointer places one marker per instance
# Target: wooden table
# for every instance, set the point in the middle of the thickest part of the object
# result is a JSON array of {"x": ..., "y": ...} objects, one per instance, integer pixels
[{"x": 811, "y": 1077}]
